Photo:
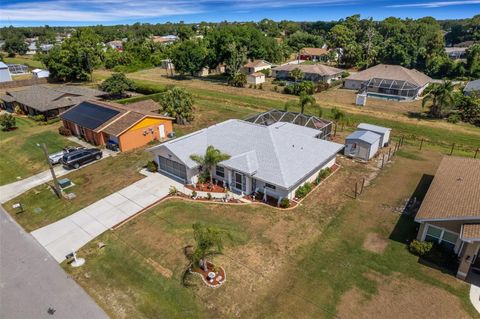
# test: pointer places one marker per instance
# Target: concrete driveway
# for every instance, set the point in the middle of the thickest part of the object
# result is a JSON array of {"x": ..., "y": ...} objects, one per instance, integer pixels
[
  {"x": 74, "y": 231},
  {"x": 31, "y": 281},
  {"x": 12, "y": 190}
]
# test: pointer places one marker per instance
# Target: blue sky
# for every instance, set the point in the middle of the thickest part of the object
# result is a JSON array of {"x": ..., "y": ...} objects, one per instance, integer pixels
[{"x": 89, "y": 12}]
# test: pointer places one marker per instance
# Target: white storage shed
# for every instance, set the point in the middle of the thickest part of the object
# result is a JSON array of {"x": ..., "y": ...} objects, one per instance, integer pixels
[
  {"x": 362, "y": 144},
  {"x": 384, "y": 132}
]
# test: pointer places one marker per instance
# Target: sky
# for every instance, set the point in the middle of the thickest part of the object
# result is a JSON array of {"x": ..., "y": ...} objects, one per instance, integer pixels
[{"x": 108, "y": 12}]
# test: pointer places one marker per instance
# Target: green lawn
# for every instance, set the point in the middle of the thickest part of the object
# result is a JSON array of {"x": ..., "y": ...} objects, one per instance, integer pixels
[
  {"x": 302, "y": 261},
  {"x": 20, "y": 156},
  {"x": 92, "y": 183},
  {"x": 30, "y": 62}
]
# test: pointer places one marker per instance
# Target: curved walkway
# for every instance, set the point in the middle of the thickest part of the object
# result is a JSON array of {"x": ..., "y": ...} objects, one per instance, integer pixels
[{"x": 475, "y": 296}]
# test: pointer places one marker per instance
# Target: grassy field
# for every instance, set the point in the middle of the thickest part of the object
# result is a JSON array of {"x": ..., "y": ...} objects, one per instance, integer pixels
[
  {"x": 19, "y": 154},
  {"x": 27, "y": 60},
  {"x": 91, "y": 183},
  {"x": 330, "y": 257}
]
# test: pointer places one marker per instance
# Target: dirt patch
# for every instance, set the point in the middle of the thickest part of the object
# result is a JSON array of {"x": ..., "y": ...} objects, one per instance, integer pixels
[
  {"x": 375, "y": 243},
  {"x": 399, "y": 298}
]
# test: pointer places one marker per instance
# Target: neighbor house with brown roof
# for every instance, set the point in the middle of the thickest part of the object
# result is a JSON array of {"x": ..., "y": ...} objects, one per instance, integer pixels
[
  {"x": 389, "y": 81},
  {"x": 125, "y": 127},
  {"x": 311, "y": 72},
  {"x": 314, "y": 54},
  {"x": 450, "y": 212},
  {"x": 46, "y": 100}
]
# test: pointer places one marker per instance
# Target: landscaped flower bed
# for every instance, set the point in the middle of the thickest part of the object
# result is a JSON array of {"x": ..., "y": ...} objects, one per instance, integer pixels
[
  {"x": 206, "y": 187},
  {"x": 218, "y": 275}
]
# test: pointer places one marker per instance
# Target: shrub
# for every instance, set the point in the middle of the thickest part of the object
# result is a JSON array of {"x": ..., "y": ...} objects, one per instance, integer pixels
[
  {"x": 345, "y": 74},
  {"x": 38, "y": 118},
  {"x": 209, "y": 196},
  {"x": 324, "y": 173},
  {"x": 454, "y": 118},
  {"x": 302, "y": 87},
  {"x": 260, "y": 86},
  {"x": 7, "y": 121},
  {"x": 250, "y": 86},
  {"x": 303, "y": 190},
  {"x": 203, "y": 178},
  {"x": 322, "y": 86},
  {"x": 18, "y": 110},
  {"x": 275, "y": 88},
  {"x": 194, "y": 194},
  {"x": 284, "y": 203},
  {"x": 172, "y": 191},
  {"x": 152, "y": 166},
  {"x": 420, "y": 248},
  {"x": 238, "y": 80},
  {"x": 265, "y": 71},
  {"x": 64, "y": 131}
]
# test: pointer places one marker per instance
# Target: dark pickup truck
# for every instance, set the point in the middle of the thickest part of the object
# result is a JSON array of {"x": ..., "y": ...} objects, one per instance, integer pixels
[{"x": 77, "y": 158}]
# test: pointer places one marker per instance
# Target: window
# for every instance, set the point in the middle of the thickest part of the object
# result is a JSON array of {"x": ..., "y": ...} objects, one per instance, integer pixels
[
  {"x": 433, "y": 234},
  {"x": 441, "y": 236},
  {"x": 239, "y": 181},
  {"x": 270, "y": 186},
  {"x": 220, "y": 171},
  {"x": 354, "y": 146}
]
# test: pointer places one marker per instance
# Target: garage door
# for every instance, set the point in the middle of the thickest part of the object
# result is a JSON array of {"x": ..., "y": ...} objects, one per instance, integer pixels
[{"x": 172, "y": 167}]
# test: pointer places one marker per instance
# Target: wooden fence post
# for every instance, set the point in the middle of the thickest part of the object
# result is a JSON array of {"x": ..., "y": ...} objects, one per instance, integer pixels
[
  {"x": 453, "y": 146},
  {"x": 363, "y": 185},
  {"x": 421, "y": 144},
  {"x": 389, "y": 152},
  {"x": 356, "y": 189},
  {"x": 476, "y": 152}
]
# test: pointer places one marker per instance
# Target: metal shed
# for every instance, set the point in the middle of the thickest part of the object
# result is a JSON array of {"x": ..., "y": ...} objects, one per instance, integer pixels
[
  {"x": 362, "y": 144},
  {"x": 384, "y": 132}
]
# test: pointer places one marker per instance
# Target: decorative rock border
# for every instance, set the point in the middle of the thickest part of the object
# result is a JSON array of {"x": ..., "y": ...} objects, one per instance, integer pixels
[{"x": 206, "y": 282}]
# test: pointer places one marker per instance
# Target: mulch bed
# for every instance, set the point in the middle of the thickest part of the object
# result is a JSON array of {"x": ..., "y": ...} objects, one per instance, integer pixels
[
  {"x": 213, "y": 200},
  {"x": 217, "y": 281},
  {"x": 207, "y": 187}
]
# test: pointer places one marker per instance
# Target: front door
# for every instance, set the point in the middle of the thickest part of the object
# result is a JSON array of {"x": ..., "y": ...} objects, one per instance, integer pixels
[
  {"x": 161, "y": 131},
  {"x": 239, "y": 181}
]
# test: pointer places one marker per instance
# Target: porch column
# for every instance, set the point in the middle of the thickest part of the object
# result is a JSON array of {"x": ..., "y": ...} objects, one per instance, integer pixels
[
  {"x": 248, "y": 185},
  {"x": 229, "y": 178},
  {"x": 469, "y": 251},
  {"x": 421, "y": 230}
]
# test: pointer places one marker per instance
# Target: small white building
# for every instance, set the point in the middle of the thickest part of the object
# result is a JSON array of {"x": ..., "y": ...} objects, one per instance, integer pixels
[
  {"x": 384, "y": 132},
  {"x": 40, "y": 73},
  {"x": 256, "y": 78},
  {"x": 4, "y": 73},
  {"x": 256, "y": 66},
  {"x": 362, "y": 144}
]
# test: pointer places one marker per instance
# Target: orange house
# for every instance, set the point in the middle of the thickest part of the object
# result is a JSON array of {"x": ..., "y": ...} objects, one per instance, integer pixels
[{"x": 124, "y": 126}]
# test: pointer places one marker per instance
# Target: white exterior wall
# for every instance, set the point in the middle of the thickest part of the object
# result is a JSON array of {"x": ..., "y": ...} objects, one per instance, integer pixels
[
  {"x": 260, "y": 68},
  {"x": 255, "y": 79},
  {"x": 353, "y": 84}
]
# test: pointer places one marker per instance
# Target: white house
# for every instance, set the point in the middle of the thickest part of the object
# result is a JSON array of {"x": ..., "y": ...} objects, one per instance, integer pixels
[
  {"x": 256, "y": 66},
  {"x": 362, "y": 144},
  {"x": 256, "y": 78},
  {"x": 40, "y": 73},
  {"x": 4, "y": 73},
  {"x": 271, "y": 159},
  {"x": 384, "y": 132}
]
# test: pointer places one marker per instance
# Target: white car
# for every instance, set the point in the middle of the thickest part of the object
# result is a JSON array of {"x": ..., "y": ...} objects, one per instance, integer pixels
[{"x": 56, "y": 157}]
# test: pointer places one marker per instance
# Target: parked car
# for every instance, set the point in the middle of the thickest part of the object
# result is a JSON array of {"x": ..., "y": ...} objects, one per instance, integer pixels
[
  {"x": 77, "y": 158},
  {"x": 56, "y": 157}
]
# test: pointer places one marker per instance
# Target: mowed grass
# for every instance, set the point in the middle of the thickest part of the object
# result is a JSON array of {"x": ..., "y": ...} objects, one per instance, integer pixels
[
  {"x": 279, "y": 264},
  {"x": 91, "y": 183},
  {"x": 30, "y": 62},
  {"x": 19, "y": 154}
]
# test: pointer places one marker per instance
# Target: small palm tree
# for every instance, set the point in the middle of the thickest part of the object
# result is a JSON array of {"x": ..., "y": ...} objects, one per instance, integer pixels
[
  {"x": 297, "y": 74},
  {"x": 209, "y": 241},
  {"x": 208, "y": 161},
  {"x": 441, "y": 97},
  {"x": 306, "y": 99}
]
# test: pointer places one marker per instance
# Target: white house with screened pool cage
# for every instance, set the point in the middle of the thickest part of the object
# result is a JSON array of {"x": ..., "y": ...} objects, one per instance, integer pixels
[{"x": 269, "y": 157}]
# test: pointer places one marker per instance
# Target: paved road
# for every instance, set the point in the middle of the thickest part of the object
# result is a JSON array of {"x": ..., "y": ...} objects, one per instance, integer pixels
[
  {"x": 12, "y": 190},
  {"x": 76, "y": 230},
  {"x": 31, "y": 281}
]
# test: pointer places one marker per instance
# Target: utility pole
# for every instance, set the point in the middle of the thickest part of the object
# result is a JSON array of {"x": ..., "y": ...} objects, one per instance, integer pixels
[{"x": 52, "y": 171}]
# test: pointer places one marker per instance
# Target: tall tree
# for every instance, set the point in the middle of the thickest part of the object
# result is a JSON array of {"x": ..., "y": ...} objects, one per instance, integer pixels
[
  {"x": 117, "y": 84},
  {"x": 440, "y": 97},
  {"x": 189, "y": 56},
  {"x": 178, "y": 103}
]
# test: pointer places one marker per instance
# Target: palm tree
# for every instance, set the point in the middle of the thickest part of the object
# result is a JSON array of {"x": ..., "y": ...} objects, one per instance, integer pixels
[
  {"x": 209, "y": 242},
  {"x": 306, "y": 99},
  {"x": 441, "y": 97},
  {"x": 208, "y": 161},
  {"x": 297, "y": 74},
  {"x": 338, "y": 118}
]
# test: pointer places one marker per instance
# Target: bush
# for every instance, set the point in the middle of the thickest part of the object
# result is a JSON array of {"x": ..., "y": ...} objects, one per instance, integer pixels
[
  {"x": 266, "y": 72},
  {"x": 7, "y": 121},
  {"x": 302, "y": 87},
  {"x": 260, "y": 86},
  {"x": 18, "y": 110},
  {"x": 454, "y": 118},
  {"x": 209, "y": 196},
  {"x": 152, "y": 166},
  {"x": 303, "y": 190},
  {"x": 275, "y": 88},
  {"x": 172, "y": 191},
  {"x": 322, "y": 86},
  {"x": 420, "y": 248},
  {"x": 345, "y": 74},
  {"x": 37, "y": 118},
  {"x": 64, "y": 131},
  {"x": 238, "y": 80},
  {"x": 203, "y": 178},
  {"x": 285, "y": 203},
  {"x": 194, "y": 194},
  {"x": 323, "y": 174}
]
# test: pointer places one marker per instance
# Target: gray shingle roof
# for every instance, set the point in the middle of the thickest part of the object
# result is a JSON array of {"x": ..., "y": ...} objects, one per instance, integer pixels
[
  {"x": 281, "y": 154},
  {"x": 472, "y": 86},
  {"x": 373, "y": 128},
  {"x": 365, "y": 136}
]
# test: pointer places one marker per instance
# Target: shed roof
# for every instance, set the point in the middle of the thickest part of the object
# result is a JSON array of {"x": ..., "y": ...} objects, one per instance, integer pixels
[
  {"x": 472, "y": 86},
  {"x": 373, "y": 128},
  {"x": 281, "y": 154},
  {"x": 366, "y": 136},
  {"x": 455, "y": 191},
  {"x": 392, "y": 72}
]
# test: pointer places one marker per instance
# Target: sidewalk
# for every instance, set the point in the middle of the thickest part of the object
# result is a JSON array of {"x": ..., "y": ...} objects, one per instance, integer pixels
[
  {"x": 76, "y": 230},
  {"x": 12, "y": 190}
]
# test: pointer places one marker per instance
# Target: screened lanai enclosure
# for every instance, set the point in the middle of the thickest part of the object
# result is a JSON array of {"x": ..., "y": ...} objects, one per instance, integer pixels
[
  {"x": 273, "y": 116},
  {"x": 17, "y": 68},
  {"x": 402, "y": 89}
]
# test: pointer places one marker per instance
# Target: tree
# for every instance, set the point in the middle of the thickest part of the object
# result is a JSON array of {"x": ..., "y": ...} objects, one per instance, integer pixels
[
  {"x": 185, "y": 33},
  {"x": 239, "y": 80},
  {"x": 7, "y": 121},
  {"x": 300, "y": 40},
  {"x": 189, "y": 56},
  {"x": 209, "y": 160},
  {"x": 440, "y": 97},
  {"x": 117, "y": 84},
  {"x": 306, "y": 100},
  {"x": 235, "y": 60},
  {"x": 15, "y": 45},
  {"x": 297, "y": 74},
  {"x": 470, "y": 109},
  {"x": 209, "y": 241},
  {"x": 178, "y": 103}
]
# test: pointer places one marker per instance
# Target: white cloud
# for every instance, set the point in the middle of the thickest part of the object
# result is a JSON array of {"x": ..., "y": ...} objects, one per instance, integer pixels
[{"x": 435, "y": 4}]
